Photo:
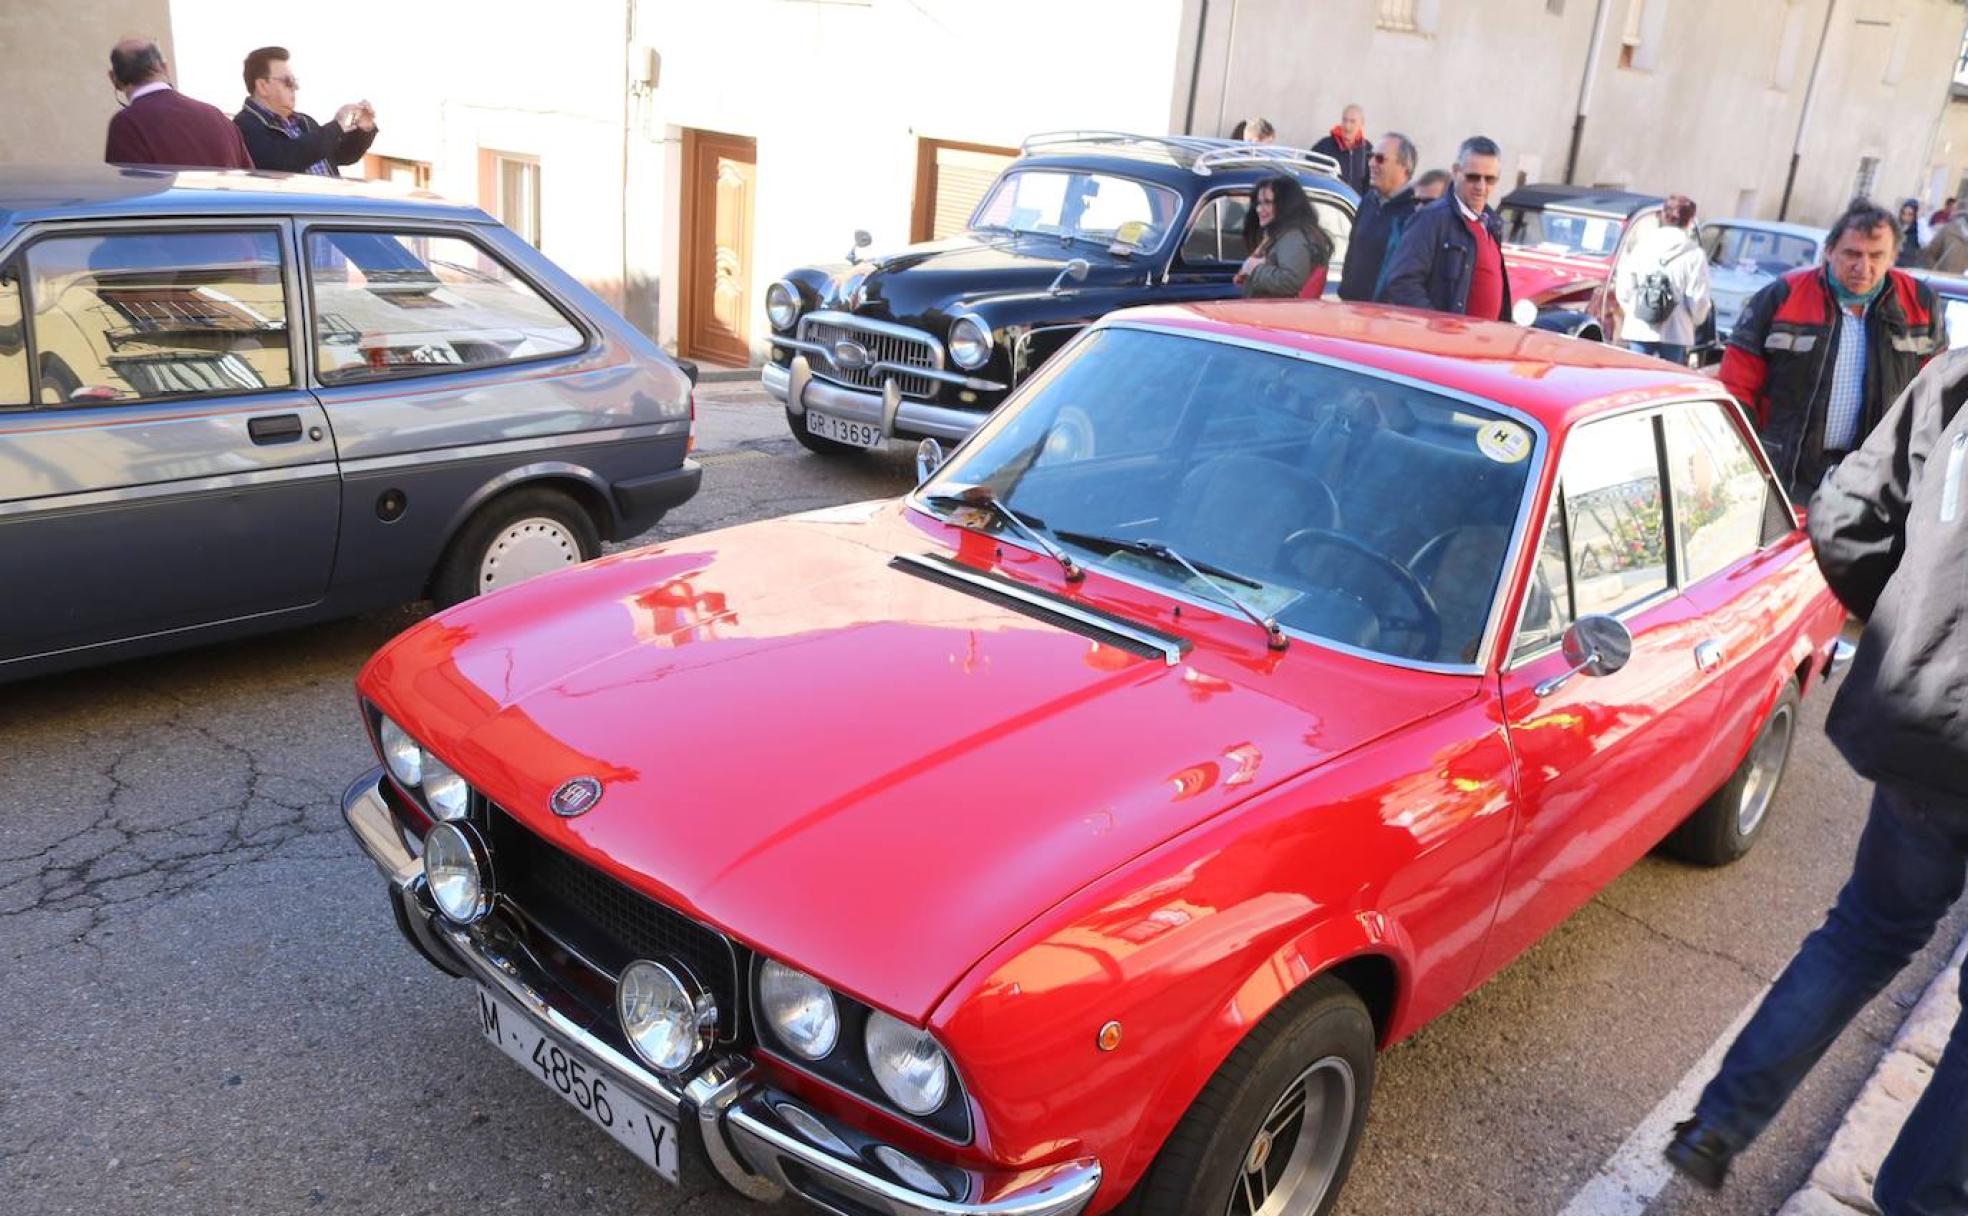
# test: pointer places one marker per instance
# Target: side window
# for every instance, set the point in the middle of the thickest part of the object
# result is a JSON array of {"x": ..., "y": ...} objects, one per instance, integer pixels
[
  {"x": 389, "y": 304},
  {"x": 136, "y": 316},
  {"x": 1711, "y": 242},
  {"x": 1719, "y": 492},
  {"x": 13, "y": 343},
  {"x": 1216, "y": 235},
  {"x": 1616, "y": 529},
  {"x": 1338, "y": 226},
  {"x": 1637, "y": 230},
  {"x": 1548, "y": 600}
]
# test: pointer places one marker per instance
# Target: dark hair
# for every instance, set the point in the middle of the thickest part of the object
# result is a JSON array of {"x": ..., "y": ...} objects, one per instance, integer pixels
[
  {"x": 1863, "y": 216},
  {"x": 136, "y": 67},
  {"x": 1404, "y": 150},
  {"x": 259, "y": 64},
  {"x": 1678, "y": 211},
  {"x": 1289, "y": 209},
  {"x": 1237, "y": 132},
  {"x": 1477, "y": 145},
  {"x": 1434, "y": 177}
]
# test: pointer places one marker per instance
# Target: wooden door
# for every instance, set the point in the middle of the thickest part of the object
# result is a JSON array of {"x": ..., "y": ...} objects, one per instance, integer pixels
[{"x": 720, "y": 184}]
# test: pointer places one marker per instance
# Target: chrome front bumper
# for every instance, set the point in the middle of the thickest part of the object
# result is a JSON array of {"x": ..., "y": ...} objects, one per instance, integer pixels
[
  {"x": 891, "y": 412},
  {"x": 737, "y": 1117}
]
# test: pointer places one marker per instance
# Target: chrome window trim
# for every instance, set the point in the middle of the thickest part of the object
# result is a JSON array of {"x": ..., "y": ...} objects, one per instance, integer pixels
[
  {"x": 1668, "y": 520},
  {"x": 1489, "y": 641}
]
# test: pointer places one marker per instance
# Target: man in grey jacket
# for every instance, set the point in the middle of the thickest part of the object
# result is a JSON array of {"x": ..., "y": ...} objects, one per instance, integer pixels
[{"x": 1890, "y": 527}]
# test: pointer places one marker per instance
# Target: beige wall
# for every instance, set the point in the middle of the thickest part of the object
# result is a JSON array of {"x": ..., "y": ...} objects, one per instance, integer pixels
[
  {"x": 56, "y": 101},
  {"x": 1713, "y": 115}
]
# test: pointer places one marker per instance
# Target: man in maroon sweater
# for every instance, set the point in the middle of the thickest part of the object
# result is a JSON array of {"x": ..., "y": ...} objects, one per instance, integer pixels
[{"x": 159, "y": 125}]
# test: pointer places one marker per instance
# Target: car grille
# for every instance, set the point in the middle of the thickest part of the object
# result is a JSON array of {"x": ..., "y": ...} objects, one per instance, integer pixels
[
  {"x": 608, "y": 923},
  {"x": 883, "y": 347}
]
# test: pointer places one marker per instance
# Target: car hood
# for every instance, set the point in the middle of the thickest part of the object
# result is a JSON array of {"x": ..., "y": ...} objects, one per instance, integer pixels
[
  {"x": 1542, "y": 277},
  {"x": 870, "y": 775},
  {"x": 926, "y": 281}
]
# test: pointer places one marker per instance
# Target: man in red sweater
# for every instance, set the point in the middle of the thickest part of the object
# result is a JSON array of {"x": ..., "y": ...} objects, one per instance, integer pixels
[
  {"x": 1450, "y": 256},
  {"x": 159, "y": 125}
]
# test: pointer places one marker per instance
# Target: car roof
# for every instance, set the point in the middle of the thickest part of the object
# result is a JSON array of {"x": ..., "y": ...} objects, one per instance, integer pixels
[
  {"x": 1580, "y": 198},
  {"x": 1779, "y": 226},
  {"x": 1554, "y": 379},
  {"x": 1172, "y": 160},
  {"x": 37, "y": 192}
]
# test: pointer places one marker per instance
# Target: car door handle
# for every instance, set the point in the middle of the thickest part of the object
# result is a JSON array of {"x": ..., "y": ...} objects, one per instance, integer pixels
[
  {"x": 1708, "y": 655},
  {"x": 274, "y": 428}
]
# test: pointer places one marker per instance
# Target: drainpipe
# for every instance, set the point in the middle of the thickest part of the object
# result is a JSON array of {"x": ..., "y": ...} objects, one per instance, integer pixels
[
  {"x": 1585, "y": 88},
  {"x": 1196, "y": 68},
  {"x": 1804, "y": 119}
]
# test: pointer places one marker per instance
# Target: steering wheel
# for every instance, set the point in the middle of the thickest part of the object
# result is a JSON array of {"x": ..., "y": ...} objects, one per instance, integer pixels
[{"x": 1427, "y": 619}]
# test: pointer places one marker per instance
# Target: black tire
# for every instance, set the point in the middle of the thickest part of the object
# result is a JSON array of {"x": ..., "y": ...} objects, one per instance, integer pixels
[
  {"x": 818, "y": 444},
  {"x": 1320, "y": 1027},
  {"x": 1729, "y": 824},
  {"x": 461, "y": 573}
]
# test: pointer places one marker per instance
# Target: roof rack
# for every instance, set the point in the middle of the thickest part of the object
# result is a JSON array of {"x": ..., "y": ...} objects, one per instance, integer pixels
[
  {"x": 1206, "y": 154},
  {"x": 1187, "y": 143},
  {"x": 1264, "y": 154}
]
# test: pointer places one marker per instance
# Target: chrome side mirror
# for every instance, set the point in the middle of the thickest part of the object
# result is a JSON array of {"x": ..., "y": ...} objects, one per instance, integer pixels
[
  {"x": 929, "y": 458},
  {"x": 861, "y": 241},
  {"x": 1074, "y": 271},
  {"x": 1594, "y": 645}
]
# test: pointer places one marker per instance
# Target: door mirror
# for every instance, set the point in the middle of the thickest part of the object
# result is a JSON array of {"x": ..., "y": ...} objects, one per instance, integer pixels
[
  {"x": 1594, "y": 645},
  {"x": 929, "y": 458},
  {"x": 1074, "y": 271},
  {"x": 1598, "y": 645}
]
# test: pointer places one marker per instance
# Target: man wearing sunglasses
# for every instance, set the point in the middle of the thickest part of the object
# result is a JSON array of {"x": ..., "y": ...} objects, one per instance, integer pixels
[
  {"x": 284, "y": 140},
  {"x": 1384, "y": 211},
  {"x": 1450, "y": 257}
]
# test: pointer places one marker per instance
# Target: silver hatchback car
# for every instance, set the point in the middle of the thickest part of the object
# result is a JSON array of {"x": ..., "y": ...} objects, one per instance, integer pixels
[{"x": 233, "y": 402}]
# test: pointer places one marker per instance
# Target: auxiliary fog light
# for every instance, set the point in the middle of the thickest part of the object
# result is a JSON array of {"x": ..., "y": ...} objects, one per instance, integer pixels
[
  {"x": 669, "y": 1019},
  {"x": 800, "y": 1010},
  {"x": 907, "y": 1063},
  {"x": 401, "y": 753},
  {"x": 444, "y": 789},
  {"x": 911, "y": 1171},
  {"x": 459, "y": 871}
]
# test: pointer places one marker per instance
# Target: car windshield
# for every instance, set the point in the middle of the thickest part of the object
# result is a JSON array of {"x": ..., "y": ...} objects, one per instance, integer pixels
[
  {"x": 1758, "y": 251},
  {"x": 1095, "y": 207},
  {"x": 1347, "y": 507},
  {"x": 1554, "y": 231}
]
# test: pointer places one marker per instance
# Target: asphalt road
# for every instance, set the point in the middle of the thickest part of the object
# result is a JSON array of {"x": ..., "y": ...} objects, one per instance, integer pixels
[{"x": 207, "y": 1009}]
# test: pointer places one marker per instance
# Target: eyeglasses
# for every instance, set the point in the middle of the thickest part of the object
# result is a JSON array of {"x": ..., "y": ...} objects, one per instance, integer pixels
[
  {"x": 1487, "y": 179},
  {"x": 1377, "y": 158},
  {"x": 289, "y": 81}
]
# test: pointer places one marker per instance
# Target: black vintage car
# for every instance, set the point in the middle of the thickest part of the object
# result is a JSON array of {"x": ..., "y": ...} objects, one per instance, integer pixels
[{"x": 924, "y": 342}]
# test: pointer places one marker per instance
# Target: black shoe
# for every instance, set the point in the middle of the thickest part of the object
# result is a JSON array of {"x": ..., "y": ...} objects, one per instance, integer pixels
[{"x": 1698, "y": 1152}]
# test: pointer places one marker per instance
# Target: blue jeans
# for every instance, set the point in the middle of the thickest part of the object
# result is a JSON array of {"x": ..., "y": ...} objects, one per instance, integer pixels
[
  {"x": 1663, "y": 350},
  {"x": 1912, "y": 862}
]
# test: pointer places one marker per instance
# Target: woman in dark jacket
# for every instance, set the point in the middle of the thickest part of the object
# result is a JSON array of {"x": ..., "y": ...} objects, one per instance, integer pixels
[
  {"x": 1909, "y": 233},
  {"x": 1291, "y": 246}
]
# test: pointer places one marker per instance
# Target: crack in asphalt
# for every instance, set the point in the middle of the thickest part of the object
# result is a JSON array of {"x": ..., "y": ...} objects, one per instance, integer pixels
[
  {"x": 111, "y": 864},
  {"x": 1721, "y": 956}
]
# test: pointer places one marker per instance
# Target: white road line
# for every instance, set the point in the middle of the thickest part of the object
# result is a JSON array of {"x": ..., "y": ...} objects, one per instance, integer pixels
[{"x": 1636, "y": 1172}]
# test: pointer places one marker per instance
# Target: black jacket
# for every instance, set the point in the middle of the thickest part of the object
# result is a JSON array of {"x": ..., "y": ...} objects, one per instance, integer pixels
[
  {"x": 1432, "y": 264},
  {"x": 1375, "y": 230},
  {"x": 272, "y": 148},
  {"x": 1780, "y": 356},
  {"x": 1890, "y": 527},
  {"x": 1352, "y": 161}
]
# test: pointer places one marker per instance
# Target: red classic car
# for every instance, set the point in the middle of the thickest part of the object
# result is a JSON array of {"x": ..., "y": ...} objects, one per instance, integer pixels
[
  {"x": 1255, "y": 683},
  {"x": 1562, "y": 244}
]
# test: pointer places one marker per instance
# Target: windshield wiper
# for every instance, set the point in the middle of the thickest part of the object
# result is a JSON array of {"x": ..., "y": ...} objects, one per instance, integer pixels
[
  {"x": 1027, "y": 526},
  {"x": 1274, "y": 635}
]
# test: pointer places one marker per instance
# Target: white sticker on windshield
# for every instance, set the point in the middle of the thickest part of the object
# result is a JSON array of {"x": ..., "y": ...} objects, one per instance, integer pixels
[{"x": 1503, "y": 442}]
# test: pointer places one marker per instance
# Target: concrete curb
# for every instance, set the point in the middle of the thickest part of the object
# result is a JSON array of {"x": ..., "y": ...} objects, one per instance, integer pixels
[{"x": 1842, "y": 1182}]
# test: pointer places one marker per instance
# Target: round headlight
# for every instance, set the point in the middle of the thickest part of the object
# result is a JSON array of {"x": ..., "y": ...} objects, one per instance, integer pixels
[
  {"x": 970, "y": 342},
  {"x": 800, "y": 1010},
  {"x": 782, "y": 305},
  {"x": 401, "y": 753},
  {"x": 908, "y": 1064},
  {"x": 1524, "y": 313},
  {"x": 445, "y": 790},
  {"x": 667, "y": 1017},
  {"x": 459, "y": 872}
]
